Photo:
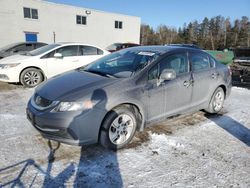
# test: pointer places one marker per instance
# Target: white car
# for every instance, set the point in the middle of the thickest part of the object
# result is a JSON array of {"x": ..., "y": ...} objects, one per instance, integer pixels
[{"x": 38, "y": 65}]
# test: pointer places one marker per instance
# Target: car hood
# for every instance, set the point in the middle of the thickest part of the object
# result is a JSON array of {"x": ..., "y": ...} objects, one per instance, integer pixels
[
  {"x": 72, "y": 86},
  {"x": 14, "y": 59}
]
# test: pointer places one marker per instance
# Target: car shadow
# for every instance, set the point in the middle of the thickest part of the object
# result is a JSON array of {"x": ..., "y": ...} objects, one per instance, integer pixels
[
  {"x": 232, "y": 126},
  {"x": 95, "y": 167}
]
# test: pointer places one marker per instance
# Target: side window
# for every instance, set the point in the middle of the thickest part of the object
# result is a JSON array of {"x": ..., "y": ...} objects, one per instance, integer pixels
[
  {"x": 49, "y": 55},
  {"x": 212, "y": 62},
  {"x": 99, "y": 52},
  {"x": 68, "y": 51},
  {"x": 177, "y": 62},
  {"x": 89, "y": 50},
  {"x": 199, "y": 62},
  {"x": 153, "y": 73}
]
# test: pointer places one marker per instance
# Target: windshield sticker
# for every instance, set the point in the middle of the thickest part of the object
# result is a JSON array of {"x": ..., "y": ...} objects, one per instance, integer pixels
[{"x": 146, "y": 53}]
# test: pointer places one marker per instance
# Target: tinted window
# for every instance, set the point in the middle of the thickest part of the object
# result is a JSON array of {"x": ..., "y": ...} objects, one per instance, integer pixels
[
  {"x": 68, "y": 51},
  {"x": 38, "y": 45},
  {"x": 34, "y": 13},
  {"x": 122, "y": 63},
  {"x": 81, "y": 20},
  {"x": 113, "y": 47},
  {"x": 30, "y": 13},
  {"x": 26, "y": 12},
  {"x": 153, "y": 73},
  {"x": 178, "y": 62},
  {"x": 199, "y": 61},
  {"x": 212, "y": 62},
  {"x": 23, "y": 47},
  {"x": 43, "y": 49},
  {"x": 49, "y": 55},
  {"x": 88, "y": 50},
  {"x": 118, "y": 24}
]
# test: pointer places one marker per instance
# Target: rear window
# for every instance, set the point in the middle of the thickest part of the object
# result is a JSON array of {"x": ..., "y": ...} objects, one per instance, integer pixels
[{"x": 199, "y": 62}]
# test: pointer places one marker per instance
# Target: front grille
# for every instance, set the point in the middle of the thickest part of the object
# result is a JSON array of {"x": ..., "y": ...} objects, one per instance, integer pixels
[{"x": 40, "y": 101}]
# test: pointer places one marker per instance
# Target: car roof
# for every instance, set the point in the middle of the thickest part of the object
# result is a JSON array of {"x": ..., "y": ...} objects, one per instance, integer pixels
[
  {"x": 162, "y": 49},
  {"x": 76, "y": 43}
]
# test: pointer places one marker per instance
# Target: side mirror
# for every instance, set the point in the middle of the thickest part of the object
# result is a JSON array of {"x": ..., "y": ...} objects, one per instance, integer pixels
[
  {"x": 58, "y": 55},
  {"x": 166, "y": 75}
]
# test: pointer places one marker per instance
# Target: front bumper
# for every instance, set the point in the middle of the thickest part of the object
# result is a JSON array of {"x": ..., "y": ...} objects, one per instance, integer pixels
[
  {"x": 9, "y": 75},
  {"x": 74, "y": 128}
]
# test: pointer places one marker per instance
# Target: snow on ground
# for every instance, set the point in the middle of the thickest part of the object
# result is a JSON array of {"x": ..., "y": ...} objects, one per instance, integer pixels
[{"x": 197, "y": 150}]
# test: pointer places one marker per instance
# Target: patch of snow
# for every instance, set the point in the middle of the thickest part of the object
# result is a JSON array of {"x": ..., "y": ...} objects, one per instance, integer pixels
[{"x": 211, "y": 153}]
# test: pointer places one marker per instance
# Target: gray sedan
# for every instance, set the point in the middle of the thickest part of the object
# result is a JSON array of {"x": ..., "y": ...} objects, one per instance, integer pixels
[{"x": 110, "y": 99}]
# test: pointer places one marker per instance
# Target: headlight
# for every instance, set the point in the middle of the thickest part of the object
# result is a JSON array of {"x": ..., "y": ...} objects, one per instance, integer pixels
[
  {"x": 74, "y": 106},
  {"x": 7, "y": 66}
]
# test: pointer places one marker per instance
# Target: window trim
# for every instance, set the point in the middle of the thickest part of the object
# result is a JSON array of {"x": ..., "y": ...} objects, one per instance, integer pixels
[
  {"x": 30, "y": 13},
  {"x": 81, "y": 19},
  {"x": 118, "y": 24}
]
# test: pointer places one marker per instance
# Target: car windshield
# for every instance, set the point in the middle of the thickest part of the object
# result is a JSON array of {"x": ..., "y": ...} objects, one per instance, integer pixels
[
  {"x": 41, "y": 50},
  {"x": 4, "y": 48},
  {"x": 113, "y": 46},
  {"x": 121, "y": 64}
]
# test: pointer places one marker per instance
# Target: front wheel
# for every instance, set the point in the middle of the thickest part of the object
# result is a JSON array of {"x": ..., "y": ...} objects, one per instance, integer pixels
[
  {"x": 31, "y": 77},
  {"x": 118, "y": 128},
  {"x": 217, "y": 101}
]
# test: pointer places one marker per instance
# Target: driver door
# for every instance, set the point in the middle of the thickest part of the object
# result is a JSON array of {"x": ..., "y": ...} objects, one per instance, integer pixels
[
  {"x": 173, "y": 96},
  {"x": 68, "y": 61}
]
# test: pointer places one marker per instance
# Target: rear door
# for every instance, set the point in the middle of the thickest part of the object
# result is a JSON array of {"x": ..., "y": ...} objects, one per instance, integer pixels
[
  {"x": 88, "y": 54},
  {"x": 205, "y": 77},
  {"x": 172, "y": 96}
]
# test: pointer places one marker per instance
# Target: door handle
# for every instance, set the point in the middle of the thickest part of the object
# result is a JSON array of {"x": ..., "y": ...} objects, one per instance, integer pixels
[
  {"x": 188, "y": 83},
  {"x": 214, "y": 75}
]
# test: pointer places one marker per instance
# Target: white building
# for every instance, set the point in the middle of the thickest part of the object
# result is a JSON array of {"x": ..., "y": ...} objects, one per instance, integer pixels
[{"x": 31, "y": 20}]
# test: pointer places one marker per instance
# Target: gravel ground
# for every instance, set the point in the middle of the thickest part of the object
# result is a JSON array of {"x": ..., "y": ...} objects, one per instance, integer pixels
[{"x": 195, "y": 150}]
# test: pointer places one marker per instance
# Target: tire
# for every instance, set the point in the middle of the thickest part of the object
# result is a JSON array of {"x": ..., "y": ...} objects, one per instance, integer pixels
[
  {"x": 216, "y": 101},
  {"x": 118, "y": 128},
  {"x": 31, "y": 77}
]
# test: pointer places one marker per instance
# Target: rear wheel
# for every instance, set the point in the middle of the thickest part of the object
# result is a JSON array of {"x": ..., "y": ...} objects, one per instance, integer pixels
[
  {"x": 217, "y": 101},
  {"x": 118, "y": 128},
  {"x": 31, "y": 77}
]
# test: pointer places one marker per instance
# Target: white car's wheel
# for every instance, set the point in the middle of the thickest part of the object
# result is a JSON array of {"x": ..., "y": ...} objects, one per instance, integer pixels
[{"x": 31, "y": 77}]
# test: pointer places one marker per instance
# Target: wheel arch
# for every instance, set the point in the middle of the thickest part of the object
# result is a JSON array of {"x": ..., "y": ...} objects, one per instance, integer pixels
[
  {"x": 43, "y": 74},
  {"x": 224, "y": 89},
  {"x": 138, "y": 110}
]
